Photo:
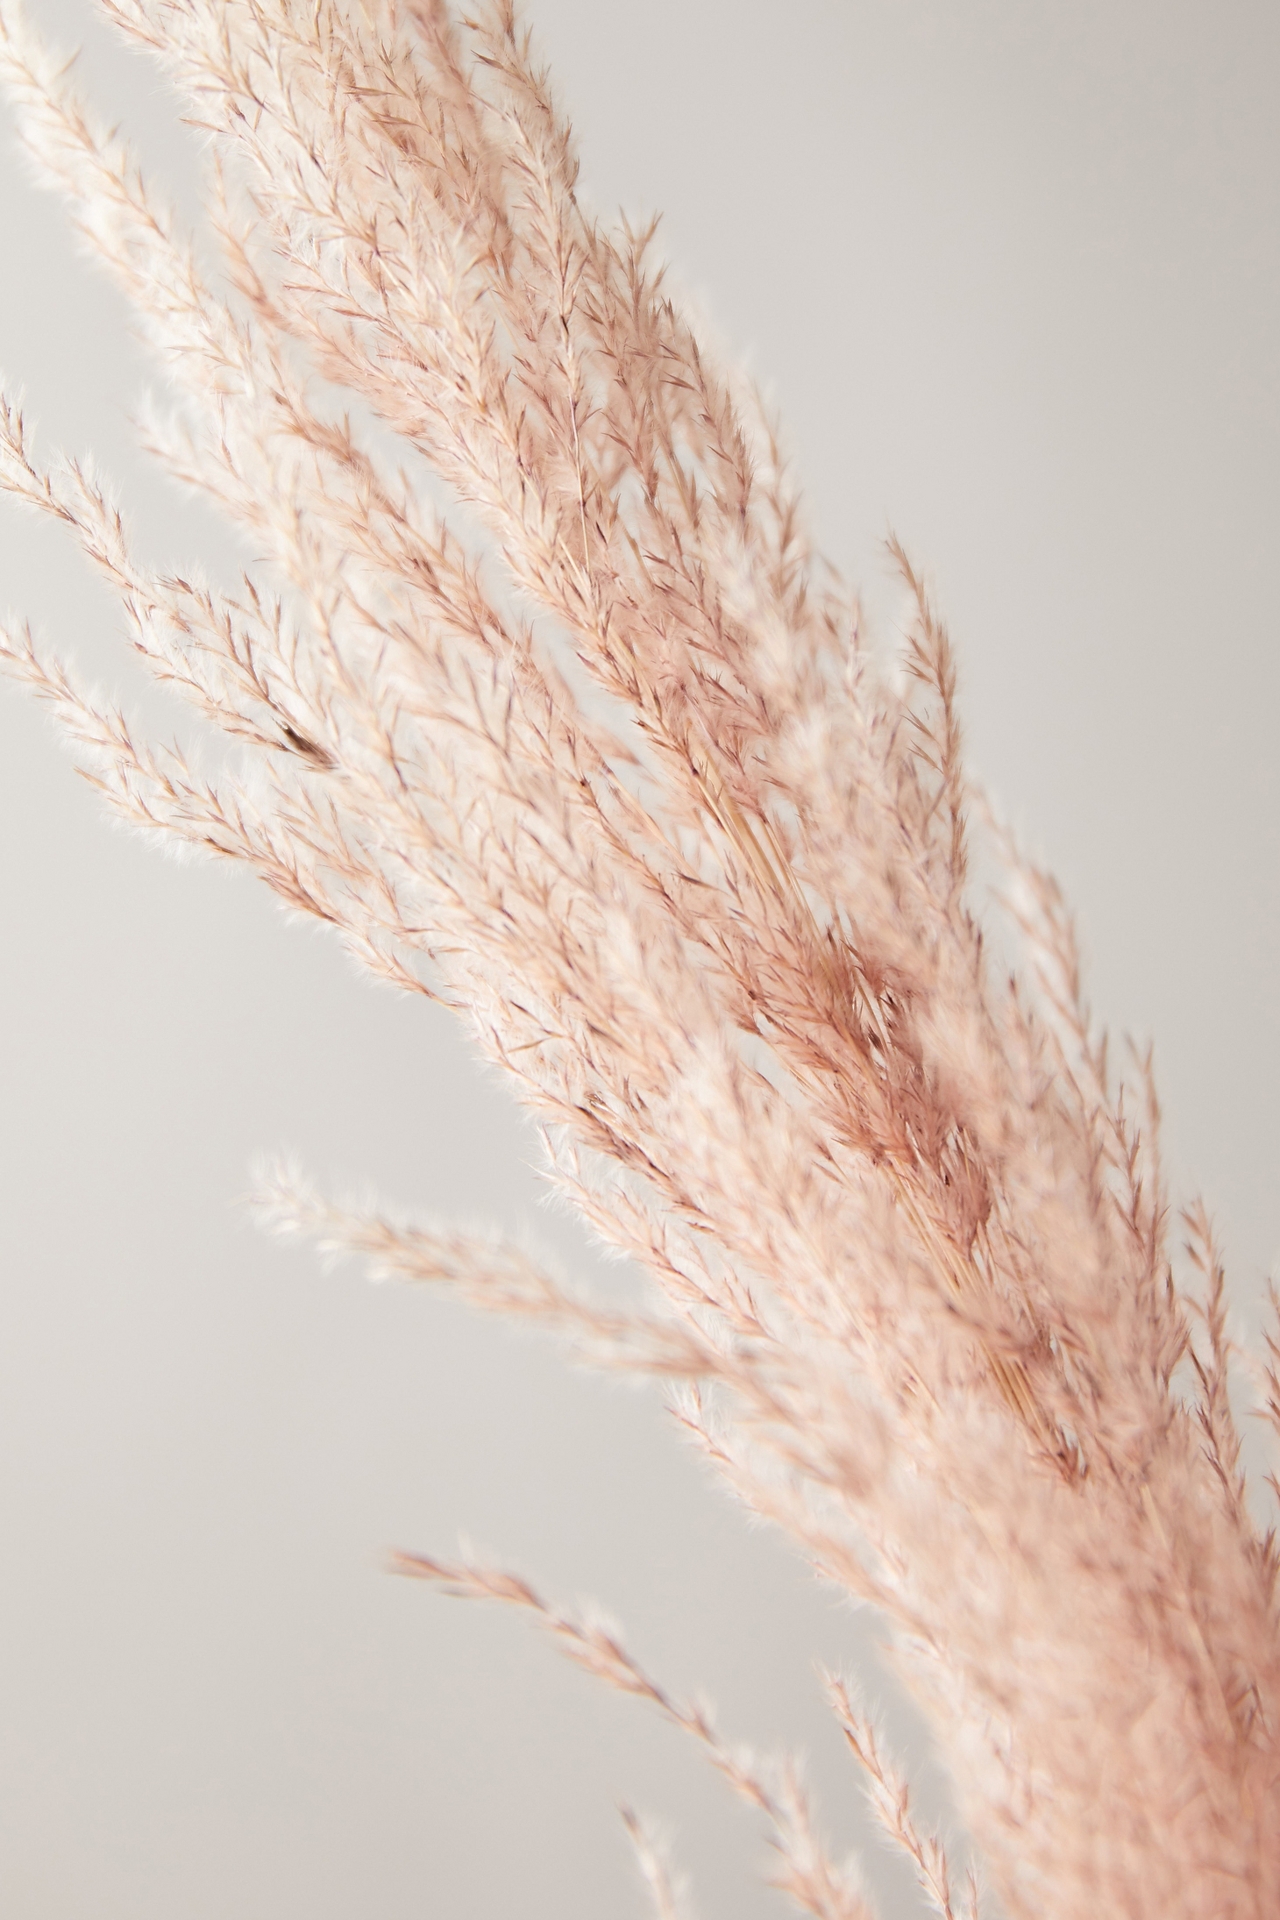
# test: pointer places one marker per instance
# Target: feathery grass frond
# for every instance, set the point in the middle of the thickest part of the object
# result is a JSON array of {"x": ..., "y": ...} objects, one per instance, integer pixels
[
  {"x": 600, "y": 758},
  {"x": 670, "y": 1901},
  {"x": 772, "y": 1788}
]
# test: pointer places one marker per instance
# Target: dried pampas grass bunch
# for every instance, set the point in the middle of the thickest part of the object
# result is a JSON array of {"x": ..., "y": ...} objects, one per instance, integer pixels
[{"x": 610, "y": 771}]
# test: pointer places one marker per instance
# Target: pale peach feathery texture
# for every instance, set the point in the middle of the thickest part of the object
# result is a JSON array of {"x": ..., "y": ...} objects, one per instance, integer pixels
[{"x": 606, "y": 765}]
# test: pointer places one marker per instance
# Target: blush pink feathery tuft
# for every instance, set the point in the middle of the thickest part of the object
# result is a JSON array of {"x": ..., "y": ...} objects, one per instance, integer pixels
[{"x": 613, "y": 773}]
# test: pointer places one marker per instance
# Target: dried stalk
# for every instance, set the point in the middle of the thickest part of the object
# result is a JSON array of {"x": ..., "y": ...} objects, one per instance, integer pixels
[{"x": 612, "y": 772}]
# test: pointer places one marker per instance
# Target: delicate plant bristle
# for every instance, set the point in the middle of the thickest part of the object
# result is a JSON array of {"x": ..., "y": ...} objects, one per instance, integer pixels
[{"x": 606, "y": 765}]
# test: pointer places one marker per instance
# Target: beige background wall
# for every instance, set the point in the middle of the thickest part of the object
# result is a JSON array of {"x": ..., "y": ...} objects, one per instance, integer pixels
[{"x": 1010, "y": 272}]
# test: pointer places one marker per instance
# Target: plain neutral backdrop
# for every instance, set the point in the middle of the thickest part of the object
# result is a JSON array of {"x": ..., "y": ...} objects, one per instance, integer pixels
[{"x": 1010, "y": 275}]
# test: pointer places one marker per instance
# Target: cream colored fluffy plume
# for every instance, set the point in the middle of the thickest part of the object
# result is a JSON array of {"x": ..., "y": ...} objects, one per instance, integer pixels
[{"x": 615, "y": 775}]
